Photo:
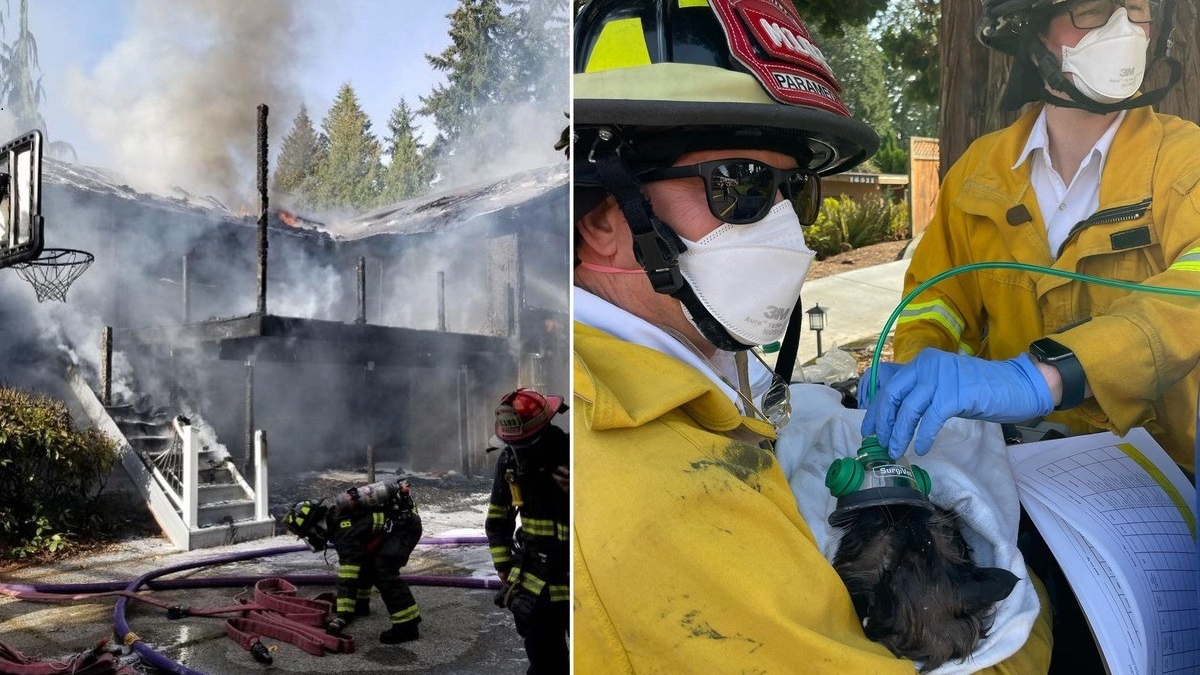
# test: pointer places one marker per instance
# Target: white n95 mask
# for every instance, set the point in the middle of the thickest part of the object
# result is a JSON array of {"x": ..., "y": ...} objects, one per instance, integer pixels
[
  {"x": 1109, "y": 62},
  {"x": 749, "y": 276}
]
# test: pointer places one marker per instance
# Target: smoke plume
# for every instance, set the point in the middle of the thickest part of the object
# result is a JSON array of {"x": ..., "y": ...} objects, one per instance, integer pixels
[{"x": 174, "y": 103}]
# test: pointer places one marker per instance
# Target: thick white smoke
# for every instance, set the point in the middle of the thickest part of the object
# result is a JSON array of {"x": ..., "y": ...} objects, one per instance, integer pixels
[{"x": 174, "y": 102}]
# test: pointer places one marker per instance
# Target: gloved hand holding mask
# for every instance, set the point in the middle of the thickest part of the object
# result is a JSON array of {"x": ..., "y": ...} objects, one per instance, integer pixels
[{"x": 938, "y": 385}]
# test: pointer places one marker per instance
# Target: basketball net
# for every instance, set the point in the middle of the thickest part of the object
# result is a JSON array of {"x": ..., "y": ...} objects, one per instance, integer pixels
[{"x": 52, "y": 274}]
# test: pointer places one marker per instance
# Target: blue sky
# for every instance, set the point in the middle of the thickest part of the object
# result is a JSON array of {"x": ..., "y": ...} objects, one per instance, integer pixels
[{"x": 376, "y": 45}]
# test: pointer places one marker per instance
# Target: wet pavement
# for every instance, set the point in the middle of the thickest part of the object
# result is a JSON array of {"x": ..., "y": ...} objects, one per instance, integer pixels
[{"x": 462, "y": 631}]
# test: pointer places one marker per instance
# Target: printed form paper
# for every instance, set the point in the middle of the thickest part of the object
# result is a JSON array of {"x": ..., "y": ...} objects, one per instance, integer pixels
[{"x": 1119, "y": 516}]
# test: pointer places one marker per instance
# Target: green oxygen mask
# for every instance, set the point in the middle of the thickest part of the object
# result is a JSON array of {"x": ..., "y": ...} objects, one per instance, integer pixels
[{"x": 873, "y": 478}]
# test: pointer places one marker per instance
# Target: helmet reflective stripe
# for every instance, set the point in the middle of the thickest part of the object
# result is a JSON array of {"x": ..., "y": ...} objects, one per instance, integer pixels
[
  {"x": 622, "y": 44},
  {"x": 298, "y": 514}
]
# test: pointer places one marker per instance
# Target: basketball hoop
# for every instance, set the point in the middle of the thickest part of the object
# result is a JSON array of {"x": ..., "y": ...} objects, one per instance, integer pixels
[{"x": 52, "y": 274}]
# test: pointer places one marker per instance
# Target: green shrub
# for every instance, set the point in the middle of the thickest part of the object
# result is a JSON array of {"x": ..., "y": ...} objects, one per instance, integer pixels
[
  {"x": 50, "y": 475},
  {"x": 891, "y": 158},
  {"x": 845, "y": 224}
]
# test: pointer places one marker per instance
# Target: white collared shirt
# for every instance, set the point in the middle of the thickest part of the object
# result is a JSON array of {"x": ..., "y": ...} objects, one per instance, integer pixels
[
  {"x": 1063, "y": 205},
  {"x": 600, "y": 314}
]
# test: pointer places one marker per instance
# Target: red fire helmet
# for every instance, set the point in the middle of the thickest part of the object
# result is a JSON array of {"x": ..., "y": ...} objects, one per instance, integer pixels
[{"x": 523, "y": 413}]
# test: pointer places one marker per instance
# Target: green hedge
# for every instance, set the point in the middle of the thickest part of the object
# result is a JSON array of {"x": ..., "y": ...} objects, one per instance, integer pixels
[
  {"x": 50, "y": 475},
  {"x": 846, "y": 224}
]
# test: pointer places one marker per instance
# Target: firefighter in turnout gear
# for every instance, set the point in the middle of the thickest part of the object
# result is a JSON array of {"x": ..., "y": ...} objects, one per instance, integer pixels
[
  {"x": 1089, "y": 180},
  {"x": 373, "y": 528},
  {"x": 532, "y": 560},
  {"x": 700, "y": 132}
]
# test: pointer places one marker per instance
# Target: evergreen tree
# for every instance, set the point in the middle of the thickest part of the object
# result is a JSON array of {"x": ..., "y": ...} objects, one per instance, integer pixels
[
  {"x": 891, "y": 158},
  {"x": 20, "y": 92},
  {"x": 537, "y": 51},
  {"x": 302, "y": 151},
  {"x": 409, "y": 172},
  {"x": 908, "y": 34},
  {"x": 474, "y": 67},
  {"x": 858, "y": 64},
  {"x": 830, "y": 16},
  {"x": 349, "y": 173}
]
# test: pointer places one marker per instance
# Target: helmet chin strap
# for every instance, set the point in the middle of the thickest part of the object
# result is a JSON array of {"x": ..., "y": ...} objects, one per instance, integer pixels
[
  {"x": 1051, "y": 71},
  {"x": 656, "y": 246}
]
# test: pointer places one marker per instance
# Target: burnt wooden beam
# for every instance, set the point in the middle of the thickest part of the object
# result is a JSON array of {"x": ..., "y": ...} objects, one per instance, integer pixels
[{"x": 287, "y": 339}]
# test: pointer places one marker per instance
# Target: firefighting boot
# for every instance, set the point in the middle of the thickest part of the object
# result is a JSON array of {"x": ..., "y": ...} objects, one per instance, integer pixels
[
  {"x": 362, "y": 607},
  {"x": 400, "y": 632}
]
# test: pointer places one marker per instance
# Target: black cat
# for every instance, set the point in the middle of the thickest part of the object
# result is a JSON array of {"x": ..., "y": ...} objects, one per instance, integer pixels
[{"x": 913, "y": 584}]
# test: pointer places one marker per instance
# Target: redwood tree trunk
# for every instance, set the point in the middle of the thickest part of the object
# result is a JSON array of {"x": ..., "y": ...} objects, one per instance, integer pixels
[
  {"x": 973, "y": 78},
  {"x": 1184, "y": 99}
]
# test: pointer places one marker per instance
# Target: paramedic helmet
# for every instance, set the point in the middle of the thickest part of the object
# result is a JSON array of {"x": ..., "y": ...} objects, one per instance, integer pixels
[
  {"x": 660, "y": 79},
  {"x": 657, "y": 80}
]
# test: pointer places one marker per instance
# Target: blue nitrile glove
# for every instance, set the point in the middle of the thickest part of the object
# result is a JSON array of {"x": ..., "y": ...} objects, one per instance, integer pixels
[
  {"x": 938, "y": 385},
  {"x": 886, "y": 371}
]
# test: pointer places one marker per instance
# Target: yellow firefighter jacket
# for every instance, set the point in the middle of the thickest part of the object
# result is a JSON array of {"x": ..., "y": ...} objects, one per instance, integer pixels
[
  {"x": 1140, "y": 351},
  {"x": 690, "y": 554}
]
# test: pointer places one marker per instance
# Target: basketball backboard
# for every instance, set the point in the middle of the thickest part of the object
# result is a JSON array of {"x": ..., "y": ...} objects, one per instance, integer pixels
[{"x": 20, "y": 199}]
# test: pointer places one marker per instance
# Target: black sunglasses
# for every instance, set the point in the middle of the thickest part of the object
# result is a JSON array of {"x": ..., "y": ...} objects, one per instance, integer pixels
[{"x": 742, "y": 191}]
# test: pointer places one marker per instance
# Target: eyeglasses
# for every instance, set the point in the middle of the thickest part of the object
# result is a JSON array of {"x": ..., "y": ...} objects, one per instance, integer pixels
[
  {"x": 776, "y": 401},
  {"x": 742, "y": 191},
  {"x": 1089, "y": 14}
]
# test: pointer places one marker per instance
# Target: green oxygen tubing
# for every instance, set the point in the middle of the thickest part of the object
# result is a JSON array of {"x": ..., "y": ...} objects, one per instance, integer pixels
[
  {"x": 999, "y": 265},
  {"x": 871, "y": 477}
]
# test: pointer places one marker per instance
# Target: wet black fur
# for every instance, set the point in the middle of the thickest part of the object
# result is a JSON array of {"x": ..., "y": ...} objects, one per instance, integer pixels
[{"x": 914, "y": 586}]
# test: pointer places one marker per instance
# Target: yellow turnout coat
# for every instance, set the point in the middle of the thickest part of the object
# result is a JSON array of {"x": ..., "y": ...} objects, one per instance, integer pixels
[
  {"x": 1140, "y": 351},
  {"x": 690, "y": 555}
]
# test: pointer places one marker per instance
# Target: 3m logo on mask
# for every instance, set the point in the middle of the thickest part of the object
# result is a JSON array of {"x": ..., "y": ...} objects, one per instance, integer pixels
[{"x": 774, "y": 313}]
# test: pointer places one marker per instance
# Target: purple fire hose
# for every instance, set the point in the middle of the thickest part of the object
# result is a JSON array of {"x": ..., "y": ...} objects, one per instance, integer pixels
[
  {"x": 234, "y": 582},
  {"x": 134, "y": 642},
  {"x": 162, "y": 662}
]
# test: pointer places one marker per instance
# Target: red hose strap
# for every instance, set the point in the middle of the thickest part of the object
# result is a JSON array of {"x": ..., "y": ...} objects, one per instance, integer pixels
[
  {"x": 13, "y": 662},
  {"x": 279, "y": 613}
]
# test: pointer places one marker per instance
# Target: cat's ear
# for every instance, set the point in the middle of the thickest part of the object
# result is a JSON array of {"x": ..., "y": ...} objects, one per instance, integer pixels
[{"x": 987, "y": 586}]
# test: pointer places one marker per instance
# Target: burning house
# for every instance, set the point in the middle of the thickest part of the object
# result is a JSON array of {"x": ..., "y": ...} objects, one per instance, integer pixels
[{"x": 396, "y": 330}]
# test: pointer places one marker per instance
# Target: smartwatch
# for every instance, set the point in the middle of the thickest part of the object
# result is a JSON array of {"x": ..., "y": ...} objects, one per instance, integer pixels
[{"x": 1064, "y": 361}]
